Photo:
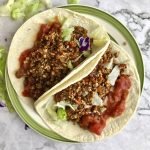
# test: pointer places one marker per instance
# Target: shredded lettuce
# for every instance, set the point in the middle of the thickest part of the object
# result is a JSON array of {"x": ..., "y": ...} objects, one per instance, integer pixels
[
  {"x": 86, "y": 53},
  {"x": 5, "y": 10},
  {"x": 96, "y": 33},
  {"x": 70, "y": 65},
  {"x": 17, "y": 13},
  {"x": 99, "y": 37},
  {"x": 3, "y": 91},
  {"x": 32, "y": 8},
  {"x": 66, "y": 22},
  {"x": 97, "y": 100},
  {"x": 66, "y": 34},
  {"x": 61, "y": 114},
  {"x": 99, "y": 42},
  {"x": 18, "y": 9},
  {"x": 23, "y": 8},
  {"x": 57, "y": 110},
  {"x": 47, "y": 3},
  {"x": 73, "y": 1},
  {"x": 63, "y": 104}
]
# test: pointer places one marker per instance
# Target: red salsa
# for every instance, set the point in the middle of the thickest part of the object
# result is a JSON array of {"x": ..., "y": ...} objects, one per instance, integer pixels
[{"x": 115, "y": 106}]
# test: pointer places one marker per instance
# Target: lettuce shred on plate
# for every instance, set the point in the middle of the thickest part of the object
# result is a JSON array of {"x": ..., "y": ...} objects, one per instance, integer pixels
[
  {"x": 73, "y": 1},
  {"x": 23, "y": 8},
  {"x": 3, "y": 91}
]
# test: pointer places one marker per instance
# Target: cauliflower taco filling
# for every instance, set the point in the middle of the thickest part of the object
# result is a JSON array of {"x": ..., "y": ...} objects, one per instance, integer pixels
[
  {"x": 56, "y": 51},
  {"x": 97, "y": 97}
]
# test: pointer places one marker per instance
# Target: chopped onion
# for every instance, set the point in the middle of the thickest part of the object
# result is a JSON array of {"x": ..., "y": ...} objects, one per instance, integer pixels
[
  {"x": 97, "y": 100},
  {"x": 109, "y": 65},
  {"x": 112, "y": 77}
]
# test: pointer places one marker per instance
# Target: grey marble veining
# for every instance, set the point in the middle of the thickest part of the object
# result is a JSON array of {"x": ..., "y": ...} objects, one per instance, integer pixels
[{"x": 136, "y": 135}]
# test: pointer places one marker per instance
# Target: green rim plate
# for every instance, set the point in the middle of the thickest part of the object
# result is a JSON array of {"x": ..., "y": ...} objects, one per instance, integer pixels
[
  {"x": 25, "y": 117},
  {"x": 99, "y": 14}
]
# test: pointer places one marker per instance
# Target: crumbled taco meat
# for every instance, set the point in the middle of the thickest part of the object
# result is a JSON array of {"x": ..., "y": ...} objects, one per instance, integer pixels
[
  {"x": 44, "y": 65},
  {"x": 90, "y": 116},
  {"x": 82, "y": 92}
]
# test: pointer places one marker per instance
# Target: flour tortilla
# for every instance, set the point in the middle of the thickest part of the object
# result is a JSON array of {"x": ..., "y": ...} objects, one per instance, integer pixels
[
  {"x": 26, "y": 35},
  {"x": 73, "y": 132}
]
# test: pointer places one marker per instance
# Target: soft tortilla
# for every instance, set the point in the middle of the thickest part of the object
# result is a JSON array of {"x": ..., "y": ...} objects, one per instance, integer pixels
[
  {"x": 114, "y": 125},
  {"x": 26, "y": 35}
]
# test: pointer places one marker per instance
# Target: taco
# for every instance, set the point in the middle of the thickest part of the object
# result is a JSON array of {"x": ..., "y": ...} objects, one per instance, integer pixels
[
  {"x": 50, "y": 46},
  {"x": 96, "y": 106}
]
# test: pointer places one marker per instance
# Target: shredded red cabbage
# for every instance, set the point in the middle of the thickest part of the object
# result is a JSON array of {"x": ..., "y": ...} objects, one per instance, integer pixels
[{"x": 84, "y": 43}]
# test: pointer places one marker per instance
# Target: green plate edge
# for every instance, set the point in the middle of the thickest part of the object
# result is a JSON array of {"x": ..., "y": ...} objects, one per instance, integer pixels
[
  {"x": 25, "y": 117},
  {"x": 117, "y": 24},
  {"x": 95, "y": 12}
]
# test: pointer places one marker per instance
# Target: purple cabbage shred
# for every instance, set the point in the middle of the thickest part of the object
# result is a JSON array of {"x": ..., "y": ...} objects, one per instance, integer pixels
[{"x": 84, "y": 43}]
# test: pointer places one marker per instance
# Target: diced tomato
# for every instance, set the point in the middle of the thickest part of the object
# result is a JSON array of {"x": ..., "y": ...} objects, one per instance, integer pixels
[
  {"x": 117, "y": 94},
  {"x": 86, "y": 120},
  {"x": 117, "y": 98},
  {"x": 95, "y": 128},
  {"x": 124, "y": 94},
  {"x": 123, "y": 82},
  {"x": 43, "y": 30},
  {"x": 23, "y": 56},
  {"x": 94, "y": 124},
  {"x": 110, "y": 98},
  {"x": 120, "y": 106},
  {"x": 118, "y": 109},
  {"x": 26, "y": 91},
  {"x": 98, "y": 127}
]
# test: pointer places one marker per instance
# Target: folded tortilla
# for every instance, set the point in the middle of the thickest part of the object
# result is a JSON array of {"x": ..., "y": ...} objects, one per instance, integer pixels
[
  {"x": 27, "y": 33},
  {"x": 73, "y": 131}
]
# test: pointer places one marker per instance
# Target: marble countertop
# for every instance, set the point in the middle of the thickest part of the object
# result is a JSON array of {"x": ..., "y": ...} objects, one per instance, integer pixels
[{"x": 135, "y": 15}]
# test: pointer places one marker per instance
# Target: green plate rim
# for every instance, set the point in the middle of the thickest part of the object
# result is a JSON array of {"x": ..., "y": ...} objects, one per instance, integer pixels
[
  {"x": 18, "y": 107},
  {"x": 100, "y": 14}
]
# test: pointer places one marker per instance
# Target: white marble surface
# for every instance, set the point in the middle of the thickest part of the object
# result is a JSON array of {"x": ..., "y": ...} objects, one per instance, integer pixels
[{"x": 136, "y": 135}]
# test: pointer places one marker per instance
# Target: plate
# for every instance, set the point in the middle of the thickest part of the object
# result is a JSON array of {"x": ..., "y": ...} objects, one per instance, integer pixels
[{"x": 116, "y": 30}]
